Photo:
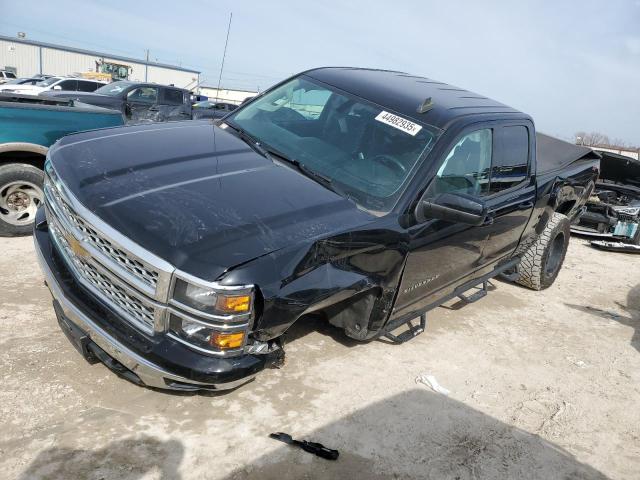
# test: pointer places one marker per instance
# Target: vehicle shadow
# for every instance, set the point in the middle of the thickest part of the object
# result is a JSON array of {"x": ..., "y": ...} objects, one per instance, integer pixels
[
  {"x": 415, "y": 434},
  {"x": 423, "y": 435},
  {"x": 131, "y": 458},
  {"x": 632, "y": 308}
]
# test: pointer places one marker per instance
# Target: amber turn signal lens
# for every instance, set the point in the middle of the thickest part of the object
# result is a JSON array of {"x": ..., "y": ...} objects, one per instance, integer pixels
[
  {"x": 238, "y": 304},
  {"x": 227, "y": 340}
]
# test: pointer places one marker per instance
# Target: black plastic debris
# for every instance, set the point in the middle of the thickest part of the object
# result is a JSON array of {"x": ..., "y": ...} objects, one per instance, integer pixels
[{"x": 316, "y": 448}]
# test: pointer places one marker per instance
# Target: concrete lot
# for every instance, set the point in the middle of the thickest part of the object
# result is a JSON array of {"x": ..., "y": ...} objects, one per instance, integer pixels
[{"x": 543, "y": 385}]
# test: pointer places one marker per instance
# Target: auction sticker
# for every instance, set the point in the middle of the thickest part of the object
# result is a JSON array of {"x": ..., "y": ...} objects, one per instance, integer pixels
[{"x": 399, "y": 123}]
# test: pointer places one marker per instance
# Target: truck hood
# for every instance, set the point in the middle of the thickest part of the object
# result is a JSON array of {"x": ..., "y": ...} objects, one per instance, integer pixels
[
  {"x": 32, "y": 89},
  {"x": 196, "y": 195},
  {"x": 86, "y": 97},
  {"x": 619, "y": 168}
]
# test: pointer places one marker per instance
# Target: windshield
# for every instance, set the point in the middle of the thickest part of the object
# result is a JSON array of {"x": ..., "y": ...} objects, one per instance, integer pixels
[
  {"x": 114, "y": 89},
  {"x": 48, "y": 81},
  {"x": 203, "y": 104},
  {"x": 365, "y": 152}
]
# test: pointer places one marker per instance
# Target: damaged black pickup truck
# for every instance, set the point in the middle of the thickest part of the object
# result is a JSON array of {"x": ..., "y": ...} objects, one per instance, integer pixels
[{"x": 180, "y": 254}]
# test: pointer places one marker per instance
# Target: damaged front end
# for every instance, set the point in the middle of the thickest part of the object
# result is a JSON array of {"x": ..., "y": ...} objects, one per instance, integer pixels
[{"x": 613, "y": 210}]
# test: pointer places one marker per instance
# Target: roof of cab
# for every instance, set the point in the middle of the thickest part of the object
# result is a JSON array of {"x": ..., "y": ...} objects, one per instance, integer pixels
[{"x": 406, "y": 94}]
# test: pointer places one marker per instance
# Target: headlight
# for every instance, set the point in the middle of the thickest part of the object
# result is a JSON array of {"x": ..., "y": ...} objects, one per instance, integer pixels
[
  {"x": 213, "y": 301},
  {"x": 205, "y": 336}
]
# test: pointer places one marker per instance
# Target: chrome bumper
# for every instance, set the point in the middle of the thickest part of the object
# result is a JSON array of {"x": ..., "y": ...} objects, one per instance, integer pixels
[{"x": 149, "y": 373}]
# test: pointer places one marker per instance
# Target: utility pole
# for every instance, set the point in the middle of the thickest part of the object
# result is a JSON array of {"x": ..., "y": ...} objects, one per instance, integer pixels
[
  {"x": 146, "y": 67},
  {"x": 223, "y": 57}
]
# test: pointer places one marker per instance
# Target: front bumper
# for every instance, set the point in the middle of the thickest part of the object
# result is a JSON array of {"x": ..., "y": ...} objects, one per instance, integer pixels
[{"x": 159, "y": 362}]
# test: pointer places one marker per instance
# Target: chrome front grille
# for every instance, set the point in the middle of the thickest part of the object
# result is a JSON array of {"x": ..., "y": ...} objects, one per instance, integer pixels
[
  {"x": 129, "y": 280},
  {"x": 142, "y": 272},
  {"x": 133, "y": 307},
  {"x": 134, "y": 266}
]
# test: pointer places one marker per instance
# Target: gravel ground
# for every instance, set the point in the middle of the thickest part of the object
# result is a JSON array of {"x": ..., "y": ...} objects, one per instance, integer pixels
[{"x": 542, "y": 385}]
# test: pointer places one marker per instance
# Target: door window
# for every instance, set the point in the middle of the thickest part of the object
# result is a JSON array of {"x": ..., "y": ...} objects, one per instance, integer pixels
[
  {"x": 466, "y": 166},
  {"x": 172, "y": 97},
  {"x": 68, "y": 85},
  {"x": 85, "y": 86},
  {"x": 143, "y": 95},
  {"x": 512, "y": 166}
]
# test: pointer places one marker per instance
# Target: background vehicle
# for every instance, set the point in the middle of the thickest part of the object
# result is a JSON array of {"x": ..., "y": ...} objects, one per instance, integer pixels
[
  {"x": 28, "y": 126},
  {"x": 5, "y": 76},
  {"x": 56, "y": 83},
  {"x": 613, "y": 210},
  {"x": 20, "y": 81},
  {"x": 211, "y": 109},
  {"x": 365, "y": 197},
  {"x": 139, "y": 102}
]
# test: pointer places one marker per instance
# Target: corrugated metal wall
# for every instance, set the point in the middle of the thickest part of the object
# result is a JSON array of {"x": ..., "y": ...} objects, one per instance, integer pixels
[
  {"x": 26, "y": 59},
  {"x": 166, "y": 76},
  {"x": 20, "y": 56},
  {"x": 59, "y": 62}
]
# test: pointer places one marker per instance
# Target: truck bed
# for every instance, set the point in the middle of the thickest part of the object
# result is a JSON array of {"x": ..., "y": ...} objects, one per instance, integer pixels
[{"x": 553, "y": 154}]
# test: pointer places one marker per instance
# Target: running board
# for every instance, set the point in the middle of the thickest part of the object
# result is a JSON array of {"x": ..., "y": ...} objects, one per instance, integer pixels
[
  {"x": 412, "y": 332},
  {"x": 415, "y": 330},
  {"x": 474, "y": 297}
]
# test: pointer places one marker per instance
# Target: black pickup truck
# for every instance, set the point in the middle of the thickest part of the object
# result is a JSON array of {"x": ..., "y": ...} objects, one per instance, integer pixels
[{"x": 180, "y": 254}]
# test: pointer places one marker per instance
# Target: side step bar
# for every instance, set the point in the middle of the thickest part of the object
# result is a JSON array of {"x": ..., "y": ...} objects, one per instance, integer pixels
[
  {"x": 415, "y": 330},
  {"x": 410, "y": 334}
]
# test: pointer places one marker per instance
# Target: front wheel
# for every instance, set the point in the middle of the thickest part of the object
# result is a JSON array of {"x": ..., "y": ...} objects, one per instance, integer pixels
[
  {"x": 541, "y": 263},
  {"x": 20, "y": 196}
]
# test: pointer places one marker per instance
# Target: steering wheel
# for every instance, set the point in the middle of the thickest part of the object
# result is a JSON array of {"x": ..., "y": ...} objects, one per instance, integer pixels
[{"x": 391, "y": 162}]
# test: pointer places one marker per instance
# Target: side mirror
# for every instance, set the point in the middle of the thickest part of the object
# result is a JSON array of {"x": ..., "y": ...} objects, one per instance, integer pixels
[
  {"x": 453, "y": 207},
  {"x": 57, "y": 87}
]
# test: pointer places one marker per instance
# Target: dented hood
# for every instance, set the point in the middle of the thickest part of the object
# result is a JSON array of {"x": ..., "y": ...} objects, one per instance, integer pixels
[{"x": 196, "y": 195}]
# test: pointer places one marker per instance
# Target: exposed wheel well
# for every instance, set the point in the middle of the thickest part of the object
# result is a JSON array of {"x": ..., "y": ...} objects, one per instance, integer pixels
[
  {"x": 30, "y": 158},
  {"x": 566, "y": 207}
]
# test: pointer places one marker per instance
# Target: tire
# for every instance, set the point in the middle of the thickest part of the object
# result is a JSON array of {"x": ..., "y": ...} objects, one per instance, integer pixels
[
  {"x": 542, "y": 261},
  {"x": 20, "y": 196}
]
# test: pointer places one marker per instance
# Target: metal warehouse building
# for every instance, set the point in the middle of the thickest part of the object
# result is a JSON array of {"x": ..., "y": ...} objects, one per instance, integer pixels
[{"x": 29, "y": 57}]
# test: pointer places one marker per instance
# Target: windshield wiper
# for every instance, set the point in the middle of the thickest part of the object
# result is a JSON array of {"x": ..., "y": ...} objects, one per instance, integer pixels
[
  {"x": 307, "y": 171},
  {"x": 252, "y": 142},
  {"x": 268, "y": 152}
]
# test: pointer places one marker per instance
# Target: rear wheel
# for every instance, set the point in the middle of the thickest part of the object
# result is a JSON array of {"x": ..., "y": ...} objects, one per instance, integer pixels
[
  {"x": 541, "y": 263},
  {"x": 20, "y": 196}
]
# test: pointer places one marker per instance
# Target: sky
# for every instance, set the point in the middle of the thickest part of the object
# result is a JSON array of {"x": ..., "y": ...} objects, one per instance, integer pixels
[{"x": 572, "y": 65}]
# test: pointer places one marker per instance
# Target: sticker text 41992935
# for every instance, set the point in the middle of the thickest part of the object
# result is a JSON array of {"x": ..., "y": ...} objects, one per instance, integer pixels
[{"x": 400, "y": 123}]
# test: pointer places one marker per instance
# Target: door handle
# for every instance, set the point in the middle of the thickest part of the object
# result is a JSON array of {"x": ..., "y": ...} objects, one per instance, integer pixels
[{"x": 525, "y": 205}]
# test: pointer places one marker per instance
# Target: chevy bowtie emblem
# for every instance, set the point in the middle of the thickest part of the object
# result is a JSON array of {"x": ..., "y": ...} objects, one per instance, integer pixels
[{"x": 76, "y": 247}]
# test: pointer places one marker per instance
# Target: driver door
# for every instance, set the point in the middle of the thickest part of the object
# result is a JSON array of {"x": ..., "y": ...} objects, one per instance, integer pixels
[
  {"x": 442, "y": 253},
  {"x": 142, "y": 104}
]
